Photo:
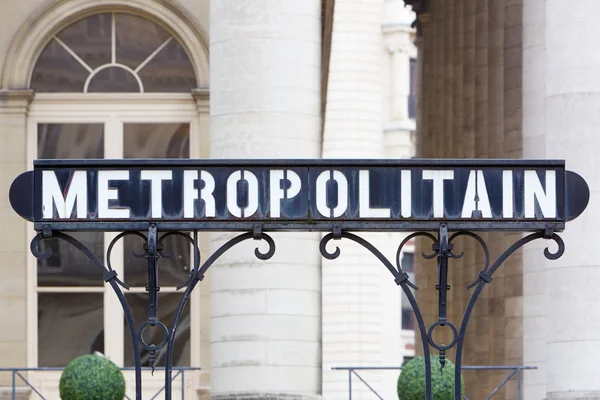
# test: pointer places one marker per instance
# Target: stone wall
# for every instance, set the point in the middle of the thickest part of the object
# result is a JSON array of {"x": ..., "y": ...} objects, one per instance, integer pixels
[{"x": 13, "y": 236}]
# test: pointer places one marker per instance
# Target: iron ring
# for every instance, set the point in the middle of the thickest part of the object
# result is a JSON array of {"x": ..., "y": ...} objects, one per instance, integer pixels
[
  {"x": 442, "y": 347},
  {"x": 152, "y": 347}
]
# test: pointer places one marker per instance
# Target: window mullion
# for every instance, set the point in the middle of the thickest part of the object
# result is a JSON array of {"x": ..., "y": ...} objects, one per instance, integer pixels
[
  {"x": 113, "y": 39},
  {"x": 113, "y": 312}
]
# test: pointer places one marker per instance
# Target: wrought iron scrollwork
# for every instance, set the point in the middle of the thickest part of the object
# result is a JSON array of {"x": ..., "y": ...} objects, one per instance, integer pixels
[
  {"x": 442, "y": 249},
  {"x": 110, "y": 276},
  {"x": 196, "y": 276},
  {"x": 443, "y": 246},
  {"x": 154, "y": 250},
  {"x": 400, "y": 277},
  {"x": 485, "y": 277}
]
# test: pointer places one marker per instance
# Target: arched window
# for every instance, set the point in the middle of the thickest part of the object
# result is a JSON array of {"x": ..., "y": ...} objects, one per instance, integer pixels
[
  {"x": 111, "y": 85},
  {"x": 113, "y": 52}
]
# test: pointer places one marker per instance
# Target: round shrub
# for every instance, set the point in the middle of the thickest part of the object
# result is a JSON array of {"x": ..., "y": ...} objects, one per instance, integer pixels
[
  {"x": 411, "y": 382},
  {"x": 92, "y": 377}
]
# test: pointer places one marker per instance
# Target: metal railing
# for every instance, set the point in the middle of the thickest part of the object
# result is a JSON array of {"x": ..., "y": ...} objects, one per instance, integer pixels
[
  {"x": 513, "y": 370},
  {"x": 17, "y": 372}
]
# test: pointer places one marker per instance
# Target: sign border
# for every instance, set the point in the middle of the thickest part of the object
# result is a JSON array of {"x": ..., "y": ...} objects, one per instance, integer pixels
[{"x": 366, "y": 224}]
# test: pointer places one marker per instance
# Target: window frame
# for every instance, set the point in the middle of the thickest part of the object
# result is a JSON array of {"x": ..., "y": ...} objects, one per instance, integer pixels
[
  {"x": 113, "y": 110},
  {"x": 113, "y": 63}
]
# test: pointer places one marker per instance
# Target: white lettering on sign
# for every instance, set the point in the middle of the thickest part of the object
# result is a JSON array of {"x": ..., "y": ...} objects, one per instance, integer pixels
[
  {"x": 77, "y": 190},
  {"x": 232, "y": 194},
  {"x": 206, "y": 194},
  {"x": 106, "y": 193},
  {"x": 365, "y": 210},
  {"x": 277, "y": 193},
  {"x": 156, "y": 178},
  {"x": 190, "y": 193},
  {"x": 438, "y": 177},
  {"x": 342, "y": 194},
  {"x": 406, "y": 193},
  {"x": 355, "y": 193},
  {"x": 476, "y": 186},
  {"x": 507, "y": 194},
  {"x": 534, "y": 190}
]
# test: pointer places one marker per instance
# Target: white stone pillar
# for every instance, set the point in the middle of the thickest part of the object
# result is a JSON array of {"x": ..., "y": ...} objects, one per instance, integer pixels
[
  {"x": 354, "y": 306},
  {"x": 534, "y": 146},
  {"x": 265, "y": 103},
  {"x": 572, "y": 101},
  {"x": 400, "y": 82}
]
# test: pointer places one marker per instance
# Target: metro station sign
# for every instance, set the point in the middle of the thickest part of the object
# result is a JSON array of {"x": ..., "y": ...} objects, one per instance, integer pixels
[{"x": 312, "y": 195}]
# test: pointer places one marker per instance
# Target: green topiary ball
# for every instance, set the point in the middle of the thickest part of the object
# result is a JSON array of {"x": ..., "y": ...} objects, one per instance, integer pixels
[
  {"x": 92, "y": 377},
  {"x": 411, "y": 382}
]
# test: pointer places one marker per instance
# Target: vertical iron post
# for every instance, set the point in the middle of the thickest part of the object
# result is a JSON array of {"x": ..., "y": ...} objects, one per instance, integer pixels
[
  {"x": 152, "y": 288},
  {"x": 349, "y": 384},
  {"x": 443, "y": 249}
]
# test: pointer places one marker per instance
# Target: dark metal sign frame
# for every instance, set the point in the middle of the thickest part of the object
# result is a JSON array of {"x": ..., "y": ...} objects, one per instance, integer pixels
[
  {"x": 376, "y": 191},
  {"x": 479, "y": 196}
]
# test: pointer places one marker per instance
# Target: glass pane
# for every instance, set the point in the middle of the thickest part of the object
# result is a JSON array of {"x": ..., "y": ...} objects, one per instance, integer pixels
[
  {"x": 69, "y": 325},
  {"x": 70, "y": 141},
  {"x": 169, "y": 71},
  {"x": 408, "y": 319},
  {"x": 112, "y": 80},
  {"x": 57, "y": 71},
  {"x": 405, "y": 303},
  {"x": 167, "y": 305},
  {"x": 136, "y": 39},
  {"x": 90, "y": 38},
  {"x": 67, "y": 266},
  {"x": 408, "y": 315},
  {"x": 157, "y": 141},
  {"x": 408, "y": 262},
  {"x": 171, "y": 271}
]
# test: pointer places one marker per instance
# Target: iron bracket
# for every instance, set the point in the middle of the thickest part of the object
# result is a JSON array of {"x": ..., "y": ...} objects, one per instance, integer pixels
[{"x": 337, "y": 232}]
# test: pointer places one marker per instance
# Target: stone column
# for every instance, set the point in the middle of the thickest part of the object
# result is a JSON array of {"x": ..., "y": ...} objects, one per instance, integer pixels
[
  {"x": 534, "y": 146},
  {"x": 353, "y": 303},
  {"x": 572, "y": 101},
  {"x": 400, "y": 81},
  {"x": 265, "y": 103}
]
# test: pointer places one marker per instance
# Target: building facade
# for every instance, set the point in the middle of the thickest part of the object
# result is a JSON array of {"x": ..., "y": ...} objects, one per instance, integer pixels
[{"x": 206, "y": 79}]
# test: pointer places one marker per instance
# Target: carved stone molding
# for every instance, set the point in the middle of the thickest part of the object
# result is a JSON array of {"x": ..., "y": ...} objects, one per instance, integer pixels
[
  {"x": 202, "y": 97},
  {"x": 15, "y": 101}
]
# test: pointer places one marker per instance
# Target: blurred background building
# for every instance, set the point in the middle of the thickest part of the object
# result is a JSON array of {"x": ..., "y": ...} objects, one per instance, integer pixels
[
  {"x": 302, "y": 79},
  {"x": 199, "y": 79}
]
